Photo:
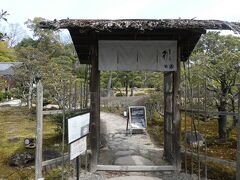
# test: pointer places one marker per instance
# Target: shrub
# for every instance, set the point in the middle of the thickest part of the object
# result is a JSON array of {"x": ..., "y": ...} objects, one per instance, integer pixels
[
  {"x": 4, "y": 95},
  {"x": 120, "y": 94},
  {"x": 139, "y": 94},
  {"x": 1, "y": 96}
]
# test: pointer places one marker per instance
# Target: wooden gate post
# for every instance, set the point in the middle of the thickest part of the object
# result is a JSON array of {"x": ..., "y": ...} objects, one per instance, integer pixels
[
  {"x": 172, "y": 116},
  {"x": 39, "y": 127},
  {"x": 95, "y": 108},
  {"x": 168, "y": 114},
  {"x": 176, "y": 140},
  {"x": 238, "y": 137}
]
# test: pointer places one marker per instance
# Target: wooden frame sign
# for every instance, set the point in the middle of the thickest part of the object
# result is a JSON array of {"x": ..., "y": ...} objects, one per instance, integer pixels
[
  {"x": 137, "y": 117},
  {"x": 78, "y": 127}
]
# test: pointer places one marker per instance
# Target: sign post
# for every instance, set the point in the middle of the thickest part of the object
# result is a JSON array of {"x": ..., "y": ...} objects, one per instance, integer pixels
[
  {"x": 77, "y": 148},
  {"x": 78, "y": 128},
  {"x": 39, "y": 127},
  {"x": 78, "y": 165}
]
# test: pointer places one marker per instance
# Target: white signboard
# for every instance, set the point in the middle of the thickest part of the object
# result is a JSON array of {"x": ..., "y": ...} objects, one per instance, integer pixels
[
  {"x": 78, "y": 127},
  {"x": 78, "y": 147},
  {"x": 115, "y": 55},
  {"x": 137, "y": 117}
]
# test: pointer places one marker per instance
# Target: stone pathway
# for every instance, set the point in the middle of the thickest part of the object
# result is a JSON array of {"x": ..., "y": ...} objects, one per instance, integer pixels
[
  {"x": 135, "y": 178},
  {"x": 119, "y": 148}
]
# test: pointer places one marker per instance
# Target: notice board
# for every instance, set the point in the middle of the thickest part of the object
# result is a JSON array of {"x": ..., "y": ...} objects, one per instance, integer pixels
[
  {"x": 78, "y": 147},
  {"x": 137, "y": 117},
  {"x": 78, "y": 127}
]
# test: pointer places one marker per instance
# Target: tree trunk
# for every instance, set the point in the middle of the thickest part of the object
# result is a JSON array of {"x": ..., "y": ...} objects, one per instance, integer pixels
[
  {"x": 131, "y": 91},
  {"x": 234, "y": 123},
  {"x": 222, "y": 119},
  {"x": 145, "y": 80},
  {"x": 126, "y": 87},
  {"x": 222, "y": 127},
  {"x": 30, "y": 91},
  {"x": 109, "y": 90}
]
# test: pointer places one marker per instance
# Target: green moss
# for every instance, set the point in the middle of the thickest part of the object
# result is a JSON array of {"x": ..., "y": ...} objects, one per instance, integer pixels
[
  {"x": 56, "y": 173},
  {"x": 19, "y": 122},
  {"x": 217, "y": 171},
  {"x": 140, "y": 94},
  {"x": 115, "y": 110}
]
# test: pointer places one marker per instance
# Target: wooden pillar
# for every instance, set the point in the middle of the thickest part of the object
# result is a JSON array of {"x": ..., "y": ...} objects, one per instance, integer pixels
[
  {"x": 238, "y": 137},
  {"x": 168, "y": 115},
  {"x": 39, "y": 129},
  {"x": 94, "y": 108},
  {"x": 176, "y": 140},
  {"x": 172, "y": 116}
]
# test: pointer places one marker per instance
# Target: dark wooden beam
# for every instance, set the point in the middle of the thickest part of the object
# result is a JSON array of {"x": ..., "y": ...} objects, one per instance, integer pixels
[
  {"x": 188, "y": 43},
  {"x": 168, "y": 115},
  {"x": 176, "y": 126},
  {"x": 95, "y": 108},
  {"x": 172, "y": 118}
]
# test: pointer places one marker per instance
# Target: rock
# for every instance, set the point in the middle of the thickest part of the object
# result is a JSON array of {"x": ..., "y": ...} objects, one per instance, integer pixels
[
  {"x": 144, "y": 151},
  {"x": 133, "y": 160},
  {"x": 29, "y": 143},
  {"x": 195, "y": 139},
  {"x": 118, "y": 136},
  {"x": 21, "y": 159},
  {"x": 121, "y": 148},
  {"x": 11, "y": 103},
  {"x": 124, "y": 153},
  {"x": 13, "y": 139},
  {"x": 114, "y": 143},
  {"x": 50, "y": 154},
  {"x": 51, "y": 107},
  {"x": 167, "y": 172}
]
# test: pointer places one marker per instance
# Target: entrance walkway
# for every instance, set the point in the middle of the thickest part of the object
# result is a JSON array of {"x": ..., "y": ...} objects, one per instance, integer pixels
[{"x": 119, "y": 148}]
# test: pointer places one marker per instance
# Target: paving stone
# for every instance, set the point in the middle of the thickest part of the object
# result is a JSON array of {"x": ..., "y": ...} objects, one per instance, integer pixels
[
  {"x": 114, "y": 143},
  {"x": 133, "y": 160},
  {"x": 13, "y": 139},
  {"x": 124, "y": 153},
  {"x": 134, "y": 178}
]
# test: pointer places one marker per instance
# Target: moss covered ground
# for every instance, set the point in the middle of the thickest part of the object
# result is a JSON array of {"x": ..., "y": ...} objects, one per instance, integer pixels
[
  {"x": 19, "y": 123},
  {"x": 215, "y": 148}
]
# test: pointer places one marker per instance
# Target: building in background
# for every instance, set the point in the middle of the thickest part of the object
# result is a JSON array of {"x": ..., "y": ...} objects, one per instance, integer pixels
[{"x": 7, "y": 75}]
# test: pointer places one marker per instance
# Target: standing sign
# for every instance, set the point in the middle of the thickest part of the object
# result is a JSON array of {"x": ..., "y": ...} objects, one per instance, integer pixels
[
  {"x": 78, "y": 147},
  {"x": 78, "y": 127},
  {"x": 137, "y": 117}
]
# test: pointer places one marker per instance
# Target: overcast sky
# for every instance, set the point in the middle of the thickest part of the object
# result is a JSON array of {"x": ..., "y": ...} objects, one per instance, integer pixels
[{"x": 21, "y": 10}]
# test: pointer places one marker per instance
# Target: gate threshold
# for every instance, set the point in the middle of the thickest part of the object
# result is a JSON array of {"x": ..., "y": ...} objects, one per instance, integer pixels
[{"x": 135, "y": 168}]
